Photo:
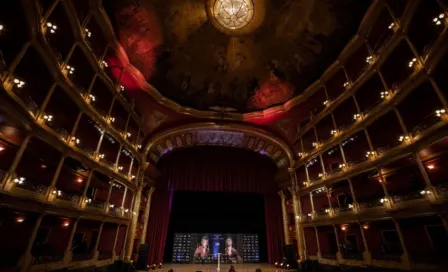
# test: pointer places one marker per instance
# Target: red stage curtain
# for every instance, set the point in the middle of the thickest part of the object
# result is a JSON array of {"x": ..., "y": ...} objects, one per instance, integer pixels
[
  {"x": 158, "y": 224},
  {"x": 274, "y": 227},
  {"x": 218, "y": 169},
  {"x": 215, "y": 169}
]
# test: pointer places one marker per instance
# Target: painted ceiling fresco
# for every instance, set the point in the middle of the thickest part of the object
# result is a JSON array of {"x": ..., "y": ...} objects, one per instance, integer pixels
[{"x": 178, "y": 48}]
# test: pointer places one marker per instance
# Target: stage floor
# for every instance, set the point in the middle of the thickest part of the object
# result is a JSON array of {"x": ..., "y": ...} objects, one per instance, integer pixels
[{"x": 214, "y": 267}]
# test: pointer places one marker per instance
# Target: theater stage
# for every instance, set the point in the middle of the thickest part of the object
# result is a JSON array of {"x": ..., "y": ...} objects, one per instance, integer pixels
[{"x": 213, "y": 268}]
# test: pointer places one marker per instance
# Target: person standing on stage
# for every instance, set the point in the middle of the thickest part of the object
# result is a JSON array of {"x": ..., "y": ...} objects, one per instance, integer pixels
[
  {"x": 231, "y": 252},
  {"x": 202, "y": 250}
]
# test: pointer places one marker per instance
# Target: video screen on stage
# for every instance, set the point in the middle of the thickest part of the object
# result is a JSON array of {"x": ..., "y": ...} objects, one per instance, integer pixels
[{"x": 206, "y": 247}]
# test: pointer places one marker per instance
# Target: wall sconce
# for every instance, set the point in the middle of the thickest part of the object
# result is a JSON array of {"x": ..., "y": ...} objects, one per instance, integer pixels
[
  {"x": 357, "y": 116},
  {"x": 425, "y": 192},
  {"x": 57, "y": 192},
  {"x": 439, "y": 113},
  {"x": 112, "y": 119},
  {"x": 383, "y": 200},
  {"x": 385, "y": 95},
  {"x": 52, "y": 27},
  {"x": 120, "y": 168},
  {"x": 20, "y": 219},
  {"x": 88, "y": 33},
  {"x": 391, "y": 26},
  {"x": 404, "y": 138},
  {"x": 412, "y": 62},
  {"x": 104, "y": 63},
  {"x": 326, "y": 103},
  {"x": 342, "y": 166},
  {"x": 343, "y": 227},
  {"x": 315, "y": 144},
  {"x": 430, "y": 166},
  {"x": 128, "y": 134},
  {"x": 70, "y": 69},
  {"x": 370, "y": 60},
  {"x": 346, "y": 85},
  {"x": 327, "y": 210},
  {"x": 92, "y": 97},
  {"x": 1, "y": 148},
  {"x": 334, "y": 132},
  {"x": 101, "y": 156},
  {"x": 370, "y": 154},
  {"x": 88, "y": 200},
  {"x": 350, "y": 206},
  {"x": 1, "y": 28},
  {"x": 365, "y": 226},
  {"x": 111, "y": 205},
  {"x": 321, "y": 175},
  {"x": 48, "y": 118},
  {"x": 133, "y": 177},
  {"x": 66, "y": 223},
  {"x": 309, "y": 215},
  {"x": 76, "y": 140},
  {"x": 79, "y": 180},
  {"x": 438, "y": 20},
  {"x": 19, "y": 83},
  {"x": 19, "y": 180},
  {"x": 139, "y": 146},
  {"x": 126, "y": 210},
  {"x": 121, "y": 88}
]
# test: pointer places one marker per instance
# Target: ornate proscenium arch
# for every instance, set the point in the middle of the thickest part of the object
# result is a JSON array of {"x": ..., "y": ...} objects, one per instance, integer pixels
[{"x": 231, "y": 135}]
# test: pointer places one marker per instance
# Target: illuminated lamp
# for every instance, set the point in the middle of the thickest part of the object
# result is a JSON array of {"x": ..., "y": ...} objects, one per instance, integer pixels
[
  {"x": 66, "y": 223},
  {"x": 343, "y": 227},
  {"x": 1, "y": 148},
  {"x": 160, "y": 265},
  {"x": 287, "y": 266},
  {"x": 365, "y": 226},
  {"x": 429, "y": 166},
  {"x": 276, "y": 264},
  {"x": 1, "y": 28},
  {"x": 154, "y": 267},
  {"x": 20, "y": 219},
  {"x": 79, "y": 180},
  {"x": 281, "y": 264}
]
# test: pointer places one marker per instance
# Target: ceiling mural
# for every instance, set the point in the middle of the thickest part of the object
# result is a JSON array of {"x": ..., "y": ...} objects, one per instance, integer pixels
[{"x": 209, "y": 55}]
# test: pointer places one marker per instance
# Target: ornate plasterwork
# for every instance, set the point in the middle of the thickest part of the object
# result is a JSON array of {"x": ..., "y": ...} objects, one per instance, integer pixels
[
  {"x": 233, "y": 135},
  {"x": 217, "y": 137}
]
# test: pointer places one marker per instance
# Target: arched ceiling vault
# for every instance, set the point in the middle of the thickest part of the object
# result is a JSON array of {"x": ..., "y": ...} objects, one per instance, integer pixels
[{"x": 215, "y": 134}]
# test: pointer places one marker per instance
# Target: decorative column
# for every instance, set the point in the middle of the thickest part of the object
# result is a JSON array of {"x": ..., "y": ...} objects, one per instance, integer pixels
[
  {"x": 313, "y": 212},
  {"x": 68, "y": 250},
  {"x": 146, "y": 216},
  {"x": 133, "y": 225},
  {"x": 96, "y": 253},
  {"x": 429, "y": 188},
  {"x": 25, "y": 260},
  {"x": 285, "y": 219},
  {"x": 299, "y": 230},
  {"x": 366, "y": 254},
  {"x": 107, "y": 208},
  {"x": 49, "y": 194},
  {"x": 115, "y": 241},
  {"x": 318, "y": 245},
  {"x": 339, "y": 256},
  {"x": 11, "y": 172},
  {"x": 352, "y": 192},
  {"x": 405, "y": 257},
  {"x": 84, "y": 193}
]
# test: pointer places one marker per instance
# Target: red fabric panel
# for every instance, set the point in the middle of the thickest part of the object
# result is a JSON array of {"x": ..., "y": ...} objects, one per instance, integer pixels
[{"x": 274, "y": 229}]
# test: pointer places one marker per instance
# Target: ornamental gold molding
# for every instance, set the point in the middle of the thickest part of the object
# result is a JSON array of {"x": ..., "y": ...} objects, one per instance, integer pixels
[{"x": 214, "y": 134}]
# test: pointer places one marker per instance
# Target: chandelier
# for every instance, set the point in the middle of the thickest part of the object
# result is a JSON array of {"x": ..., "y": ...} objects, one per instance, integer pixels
[{"x": 233, "y": 14}]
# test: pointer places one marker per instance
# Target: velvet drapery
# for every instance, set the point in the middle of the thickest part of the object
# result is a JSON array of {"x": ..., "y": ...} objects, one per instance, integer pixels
[
  {"x": 274, "y": 227},
  {"x": 215, "y": 169},
  {"x": 218, "y": 169},
  {"x": 158, "y": 224}
]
